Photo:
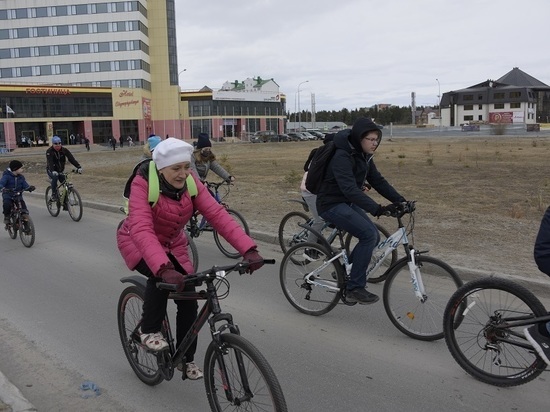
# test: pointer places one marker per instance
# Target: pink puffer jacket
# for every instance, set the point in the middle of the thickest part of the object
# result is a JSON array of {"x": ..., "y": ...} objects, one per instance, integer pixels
[{"x": 151, "y": 232}]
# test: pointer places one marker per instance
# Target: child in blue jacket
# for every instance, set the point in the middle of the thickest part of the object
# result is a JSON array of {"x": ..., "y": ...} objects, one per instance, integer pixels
[{"x": 13, "y": 180}]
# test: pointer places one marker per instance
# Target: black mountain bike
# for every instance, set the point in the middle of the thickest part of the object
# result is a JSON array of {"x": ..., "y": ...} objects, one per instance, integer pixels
[
  {"x": 236, "y": 375},
  {"x": 19, "y": 221},
  {"x": 69, "y": 199}
]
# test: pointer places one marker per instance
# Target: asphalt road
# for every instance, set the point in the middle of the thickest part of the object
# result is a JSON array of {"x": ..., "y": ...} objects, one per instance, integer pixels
[{"x": 58, "y": 329}]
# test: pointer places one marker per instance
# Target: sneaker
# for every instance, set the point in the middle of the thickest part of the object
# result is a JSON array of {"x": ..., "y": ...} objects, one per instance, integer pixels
[
  {"x": 311, "y": 254},
  {"x": 363, "y": 296},
  {"x": 54, "y": 197},
  {"x": 153, "y": 341},
  {"x": 192, "y": 371},
  {"x": 540, "y": 342}
]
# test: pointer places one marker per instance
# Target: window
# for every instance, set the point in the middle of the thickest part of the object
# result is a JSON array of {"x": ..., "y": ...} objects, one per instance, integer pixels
[
  {"x": 14, "y": 53},
  {"x": 73, "y": 48},
  {"x": 95, "y": 67},
  {"x": 54, "y": 50},
  {"x": 115, "y": 66},
  {"x": 43, "y": 32},
  {"x": 480, "y": 117},
  {"x": 36, "y": 71},
  {"x": 33, "y": 32},
  {"x": 515, "y": 105},
  {"x": 52, "y": 31},
  {"x": 499, "y": 105},
  {"x": 94, "y": 47},
  {"x": 52, "y": 11},
  {"x": 498, "y": 95},
  {"x": 468, "y": 97},
  {"x": 479, "y": 97},
  {"x": 55, "y": 69},
  {"x": 15, "y": 72},
  {"x": 468, "y": 107},
  {"x": 75, "y": 68},
  {"x": 25, "y": 52},
  {"x": 62, "y": 30},
  {"x": 113, "y": 46},
  {"x": 73, "y": 29},
  {"x": 466, "y": 118},
  {"x": 480, "y": 106},
  {"x": 515, "y": 95},
  {"x": 41, "y": 12}
]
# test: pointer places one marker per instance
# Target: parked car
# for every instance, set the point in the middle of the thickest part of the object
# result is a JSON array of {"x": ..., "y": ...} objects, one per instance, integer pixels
[
  {"x": 318, "y": 135},
  {"x": 309, "y": 136},
  {"x": 294, "y": 136},
  {"x": 283, "y": 138},
  {"x": 264, "y": 135}
]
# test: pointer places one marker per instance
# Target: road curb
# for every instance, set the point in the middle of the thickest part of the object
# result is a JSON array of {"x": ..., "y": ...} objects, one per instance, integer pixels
[{"x": 11, "y": 396}]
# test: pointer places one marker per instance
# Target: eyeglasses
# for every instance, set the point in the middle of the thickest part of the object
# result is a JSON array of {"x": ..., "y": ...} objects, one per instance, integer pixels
[{"x": 372, "y": 140}]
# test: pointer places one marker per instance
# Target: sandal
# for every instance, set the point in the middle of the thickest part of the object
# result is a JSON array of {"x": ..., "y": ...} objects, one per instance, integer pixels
[
  {"x": 193, "y": 372},
  {"x": 153, "y": 341}
]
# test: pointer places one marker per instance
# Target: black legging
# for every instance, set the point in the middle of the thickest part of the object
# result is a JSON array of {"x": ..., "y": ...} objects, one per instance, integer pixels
[{"x": 154, "y": 307}]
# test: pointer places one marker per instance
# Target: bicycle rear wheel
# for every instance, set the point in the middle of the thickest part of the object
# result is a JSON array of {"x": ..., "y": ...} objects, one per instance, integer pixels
[
  {"x": 380, "y": 274},
  {"x": 290, "y": 231},
  {"x": 420, "y": 319},
  {"x": 53, "y": 206},
  {"x": 319, "y": 295},
  {"x": 14, "y": 224},
  {"x": 224, "y": 246},
  {"x": 74, "y": 204},
  {"x": 238, "y": 377},
  {"x": 192, "y": 251},
  {"x": 26, "y": 232},
  {"x": 473, "y": 321},
  {"x": 143, "y": 362}
]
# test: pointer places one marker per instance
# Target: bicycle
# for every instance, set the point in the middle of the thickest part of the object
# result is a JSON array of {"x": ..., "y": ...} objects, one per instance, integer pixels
[
  {"x": 19, "y": 221},
  {"x": 68, "y": 198},
  {"x": 292, "y": 231},
  {"x": 483, "y": 324},
  {"x": 236, "y": 374},
  {"x": 194, "y": 228},
  {"x": 313, "y": 277}
]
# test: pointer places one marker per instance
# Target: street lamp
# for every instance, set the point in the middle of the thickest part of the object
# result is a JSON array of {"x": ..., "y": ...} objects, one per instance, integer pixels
[
  {"x": 299, "y": 110},
  {"x": 179, "y": 74},
  {"x": 439, "y": 101}
]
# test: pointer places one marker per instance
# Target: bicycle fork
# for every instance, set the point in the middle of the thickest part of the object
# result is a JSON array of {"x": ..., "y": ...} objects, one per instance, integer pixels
[{"x": 416, "y": 277}]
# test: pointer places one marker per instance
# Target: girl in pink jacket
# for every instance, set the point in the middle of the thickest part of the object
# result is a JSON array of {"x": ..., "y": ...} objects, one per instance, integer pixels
[{"x": 151, "y": 241}]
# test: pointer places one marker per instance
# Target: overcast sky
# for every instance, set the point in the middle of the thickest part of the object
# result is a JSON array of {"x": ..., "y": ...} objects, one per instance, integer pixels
[{"x": 357, "y": 53}]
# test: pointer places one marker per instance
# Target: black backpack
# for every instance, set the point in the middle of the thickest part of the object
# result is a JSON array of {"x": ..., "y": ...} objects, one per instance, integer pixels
[{"x": 318, "y": 167}]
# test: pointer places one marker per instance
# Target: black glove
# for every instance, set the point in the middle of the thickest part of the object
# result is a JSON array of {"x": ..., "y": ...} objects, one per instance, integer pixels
[
  {"x": 31, "y": 188},
  {"x": 169, "y": 275},
  {"x": 389, "y": 210},
  {"x": 253, "y": 258}
]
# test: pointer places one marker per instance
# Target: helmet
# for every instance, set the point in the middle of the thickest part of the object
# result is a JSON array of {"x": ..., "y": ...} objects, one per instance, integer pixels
[
  {"x": 153, "y": 142},
  {"x": 56, "y": 139}
]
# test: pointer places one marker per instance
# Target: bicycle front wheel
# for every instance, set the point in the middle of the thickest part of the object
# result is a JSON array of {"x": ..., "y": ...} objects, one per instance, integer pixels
[
  {"x": 290, "y": 231},
  {"x": 143, "y": 362},
  {"x": 311, "y": 293},
  {"x": 237, "y": 377},
  {"x": 224, "y": 246},
  {"x": 380, "y": 274},
  {"x": 12, "y": 227},
  {"x": 53, "y": 206},
  {"x": 26, "y": 232},
  {"x": 74, "y": 204},
  {"x": 477, "y": 332},
  {"x": 420, "y": 318}
]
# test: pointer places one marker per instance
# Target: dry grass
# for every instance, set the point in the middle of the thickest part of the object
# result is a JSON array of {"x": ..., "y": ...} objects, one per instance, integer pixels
[{"x": 480, "y": 199}]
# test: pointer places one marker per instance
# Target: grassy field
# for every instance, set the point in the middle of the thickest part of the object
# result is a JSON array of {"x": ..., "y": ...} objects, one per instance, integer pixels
[{"x": 480, "y": 199}]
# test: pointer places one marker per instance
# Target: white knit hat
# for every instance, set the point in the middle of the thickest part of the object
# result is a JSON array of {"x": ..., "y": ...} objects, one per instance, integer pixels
[{"x": 171, "y": 151}]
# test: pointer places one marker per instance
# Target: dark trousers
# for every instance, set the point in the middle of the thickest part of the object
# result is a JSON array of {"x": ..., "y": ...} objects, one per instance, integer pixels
[
  {"x": 8, "y": 203},
  {"x": 55, "y": 178},
  {"x": 154, "y": 307}
]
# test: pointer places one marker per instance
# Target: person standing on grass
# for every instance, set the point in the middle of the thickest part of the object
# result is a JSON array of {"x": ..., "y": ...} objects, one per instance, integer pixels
[
  {"x": 539, "y": 335},
  {"x": 342, "y": 199}
]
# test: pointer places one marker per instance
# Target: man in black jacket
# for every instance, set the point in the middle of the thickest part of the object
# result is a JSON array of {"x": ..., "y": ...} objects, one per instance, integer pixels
[
  {"x": 342, "y": 199},
  {"x": 56, "y": 156},
  {"x": 539, "y": 335}
]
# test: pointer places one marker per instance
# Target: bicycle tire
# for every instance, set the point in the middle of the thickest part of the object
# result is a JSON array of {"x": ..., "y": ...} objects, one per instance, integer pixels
[
  {"x": 290, "y": 233},
  {"x": 26, "y": 232},
  {"x": 74, "y": 204},
  {"x": 420, "y": 320},
  {"x": 54, "y": 207},
  {"x": 192, "y": 251},
  {"x": 12, "y": 227},
  {"x": 381, "y": 274},
  {"x": 475, "y": 345},
  {"x": 223, "y": 371},
  {"x": 307, "y": 298},
  {"x": 224, "y": 246},
  {"x": 143, "y": 363}
]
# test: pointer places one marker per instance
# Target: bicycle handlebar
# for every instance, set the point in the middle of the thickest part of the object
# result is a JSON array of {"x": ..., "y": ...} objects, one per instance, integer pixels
[
  {"x": 213, "y": 273},
  {"x": 216, "y": 185}
]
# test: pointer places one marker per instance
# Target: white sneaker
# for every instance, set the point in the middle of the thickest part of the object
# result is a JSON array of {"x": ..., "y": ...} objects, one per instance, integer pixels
[
  {"x": 153, "y": 341},
  {"x": 193, "y": 372}
]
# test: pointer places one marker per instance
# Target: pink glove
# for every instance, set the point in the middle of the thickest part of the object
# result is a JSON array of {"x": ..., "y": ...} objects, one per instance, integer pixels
[
  {"x": 169, "y": 275},
  {"x": 254, "y": 259}
]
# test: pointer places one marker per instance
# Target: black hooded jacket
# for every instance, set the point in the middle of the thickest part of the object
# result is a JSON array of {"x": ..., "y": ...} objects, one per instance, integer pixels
[{"x": 349, "y": 168}]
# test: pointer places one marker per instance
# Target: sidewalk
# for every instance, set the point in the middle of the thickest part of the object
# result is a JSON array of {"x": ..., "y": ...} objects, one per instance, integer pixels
[{"x": 11, "y": 398}]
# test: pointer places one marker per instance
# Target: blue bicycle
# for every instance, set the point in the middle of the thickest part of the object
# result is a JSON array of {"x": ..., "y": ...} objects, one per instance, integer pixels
[{"x": 196, "y": 227}]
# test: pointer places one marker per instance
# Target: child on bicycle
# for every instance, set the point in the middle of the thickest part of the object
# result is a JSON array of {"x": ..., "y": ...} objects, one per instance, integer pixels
[
  {"x": 342, "y": 199},
  {"x": 13, "y": 180},
  {"x": 56, "y": 157},
  {"x": 152, "y": 241},
  {"x": 539, "y": 335},
  {"x": 204, "y": 160}
]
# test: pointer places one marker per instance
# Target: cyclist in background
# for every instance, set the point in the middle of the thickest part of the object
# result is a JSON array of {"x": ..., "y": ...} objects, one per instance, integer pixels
[
  {"x": 204, "y": 160},
  {"x": 152, "y": 242},
  {"x": 13, "y": 180},
  {"x": 149, "y": 146},
  {"x": 56, "y": 157},
  {"x": 539, "y": 335}
]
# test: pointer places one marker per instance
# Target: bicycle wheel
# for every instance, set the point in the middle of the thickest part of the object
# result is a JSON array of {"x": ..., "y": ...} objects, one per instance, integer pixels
[
  {"x": 14, "y": 224},
  {"x": 143, "y": 362},
  {"x": 380, "y": 274},
  {"x": 497, "y": 356},
  {"x": 290, "y": 233},
  {"x": 224, "y": 246},
  {"x": 53, "y": 206},
  {"x": 193, "y": 252},
  {"x": 26, "y": 232},
  {"x": 74, "y": 204},
  {"x": 420, "y": 319},
  {"x": 312, "y": 299},
  {"x": 238, "y": 377}
]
